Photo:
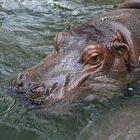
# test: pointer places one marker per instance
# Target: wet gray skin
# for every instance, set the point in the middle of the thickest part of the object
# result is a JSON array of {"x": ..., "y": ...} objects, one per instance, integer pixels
[{"x": 101, "y": 55}]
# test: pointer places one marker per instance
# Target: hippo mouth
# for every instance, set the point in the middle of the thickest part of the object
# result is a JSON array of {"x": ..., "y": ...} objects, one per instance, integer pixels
[
  {"x": 42, "y": 93},
  {"x": 31, "y": 93},
  {"x": 37, "y": 93}
]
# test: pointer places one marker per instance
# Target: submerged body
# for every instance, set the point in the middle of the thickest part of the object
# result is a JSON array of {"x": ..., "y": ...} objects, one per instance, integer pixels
[{"x": 101, "y": 55}]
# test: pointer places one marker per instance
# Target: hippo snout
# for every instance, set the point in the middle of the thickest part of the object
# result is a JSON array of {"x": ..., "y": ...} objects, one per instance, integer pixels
[{"x": 36, "y": 92}]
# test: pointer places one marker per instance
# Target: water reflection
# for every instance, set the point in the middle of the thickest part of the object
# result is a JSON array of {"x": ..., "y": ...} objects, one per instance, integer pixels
[{"x": 27, "y": 28}]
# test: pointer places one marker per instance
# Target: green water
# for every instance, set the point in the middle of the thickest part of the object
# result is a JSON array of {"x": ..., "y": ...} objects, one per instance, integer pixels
[{"x": 27, "y": 28}]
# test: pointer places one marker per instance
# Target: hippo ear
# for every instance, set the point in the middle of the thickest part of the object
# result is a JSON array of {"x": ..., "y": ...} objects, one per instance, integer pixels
[{"x": 119, "y": 48}]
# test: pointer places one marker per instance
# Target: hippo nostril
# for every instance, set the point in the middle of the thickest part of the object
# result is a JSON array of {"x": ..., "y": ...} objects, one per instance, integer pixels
[{"x": 21, "y": 83}]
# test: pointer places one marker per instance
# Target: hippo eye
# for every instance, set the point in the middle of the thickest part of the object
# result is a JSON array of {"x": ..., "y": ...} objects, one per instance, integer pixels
[{"x": 95, "y": 58}]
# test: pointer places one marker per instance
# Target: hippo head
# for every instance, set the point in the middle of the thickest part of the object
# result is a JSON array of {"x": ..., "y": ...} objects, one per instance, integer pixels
[{"x": 84, "y": 58}]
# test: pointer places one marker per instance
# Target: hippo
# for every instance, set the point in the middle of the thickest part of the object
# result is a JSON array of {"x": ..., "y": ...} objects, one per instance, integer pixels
[{"x": 101, "y": 55}]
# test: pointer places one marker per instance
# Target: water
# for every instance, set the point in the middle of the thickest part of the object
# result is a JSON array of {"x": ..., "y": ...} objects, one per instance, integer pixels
[{"x": 27, "y": 28}]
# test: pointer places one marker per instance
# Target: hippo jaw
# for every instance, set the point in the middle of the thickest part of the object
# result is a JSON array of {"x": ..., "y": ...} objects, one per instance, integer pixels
[{"x": 75, "y": 63}]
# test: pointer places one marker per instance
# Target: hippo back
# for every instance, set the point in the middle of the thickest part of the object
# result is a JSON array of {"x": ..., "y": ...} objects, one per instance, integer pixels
[{"x": 130, "y": 4}]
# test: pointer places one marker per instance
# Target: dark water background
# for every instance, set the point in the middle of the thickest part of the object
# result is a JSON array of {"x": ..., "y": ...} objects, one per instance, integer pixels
[{"x": 27, "y": 28}]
